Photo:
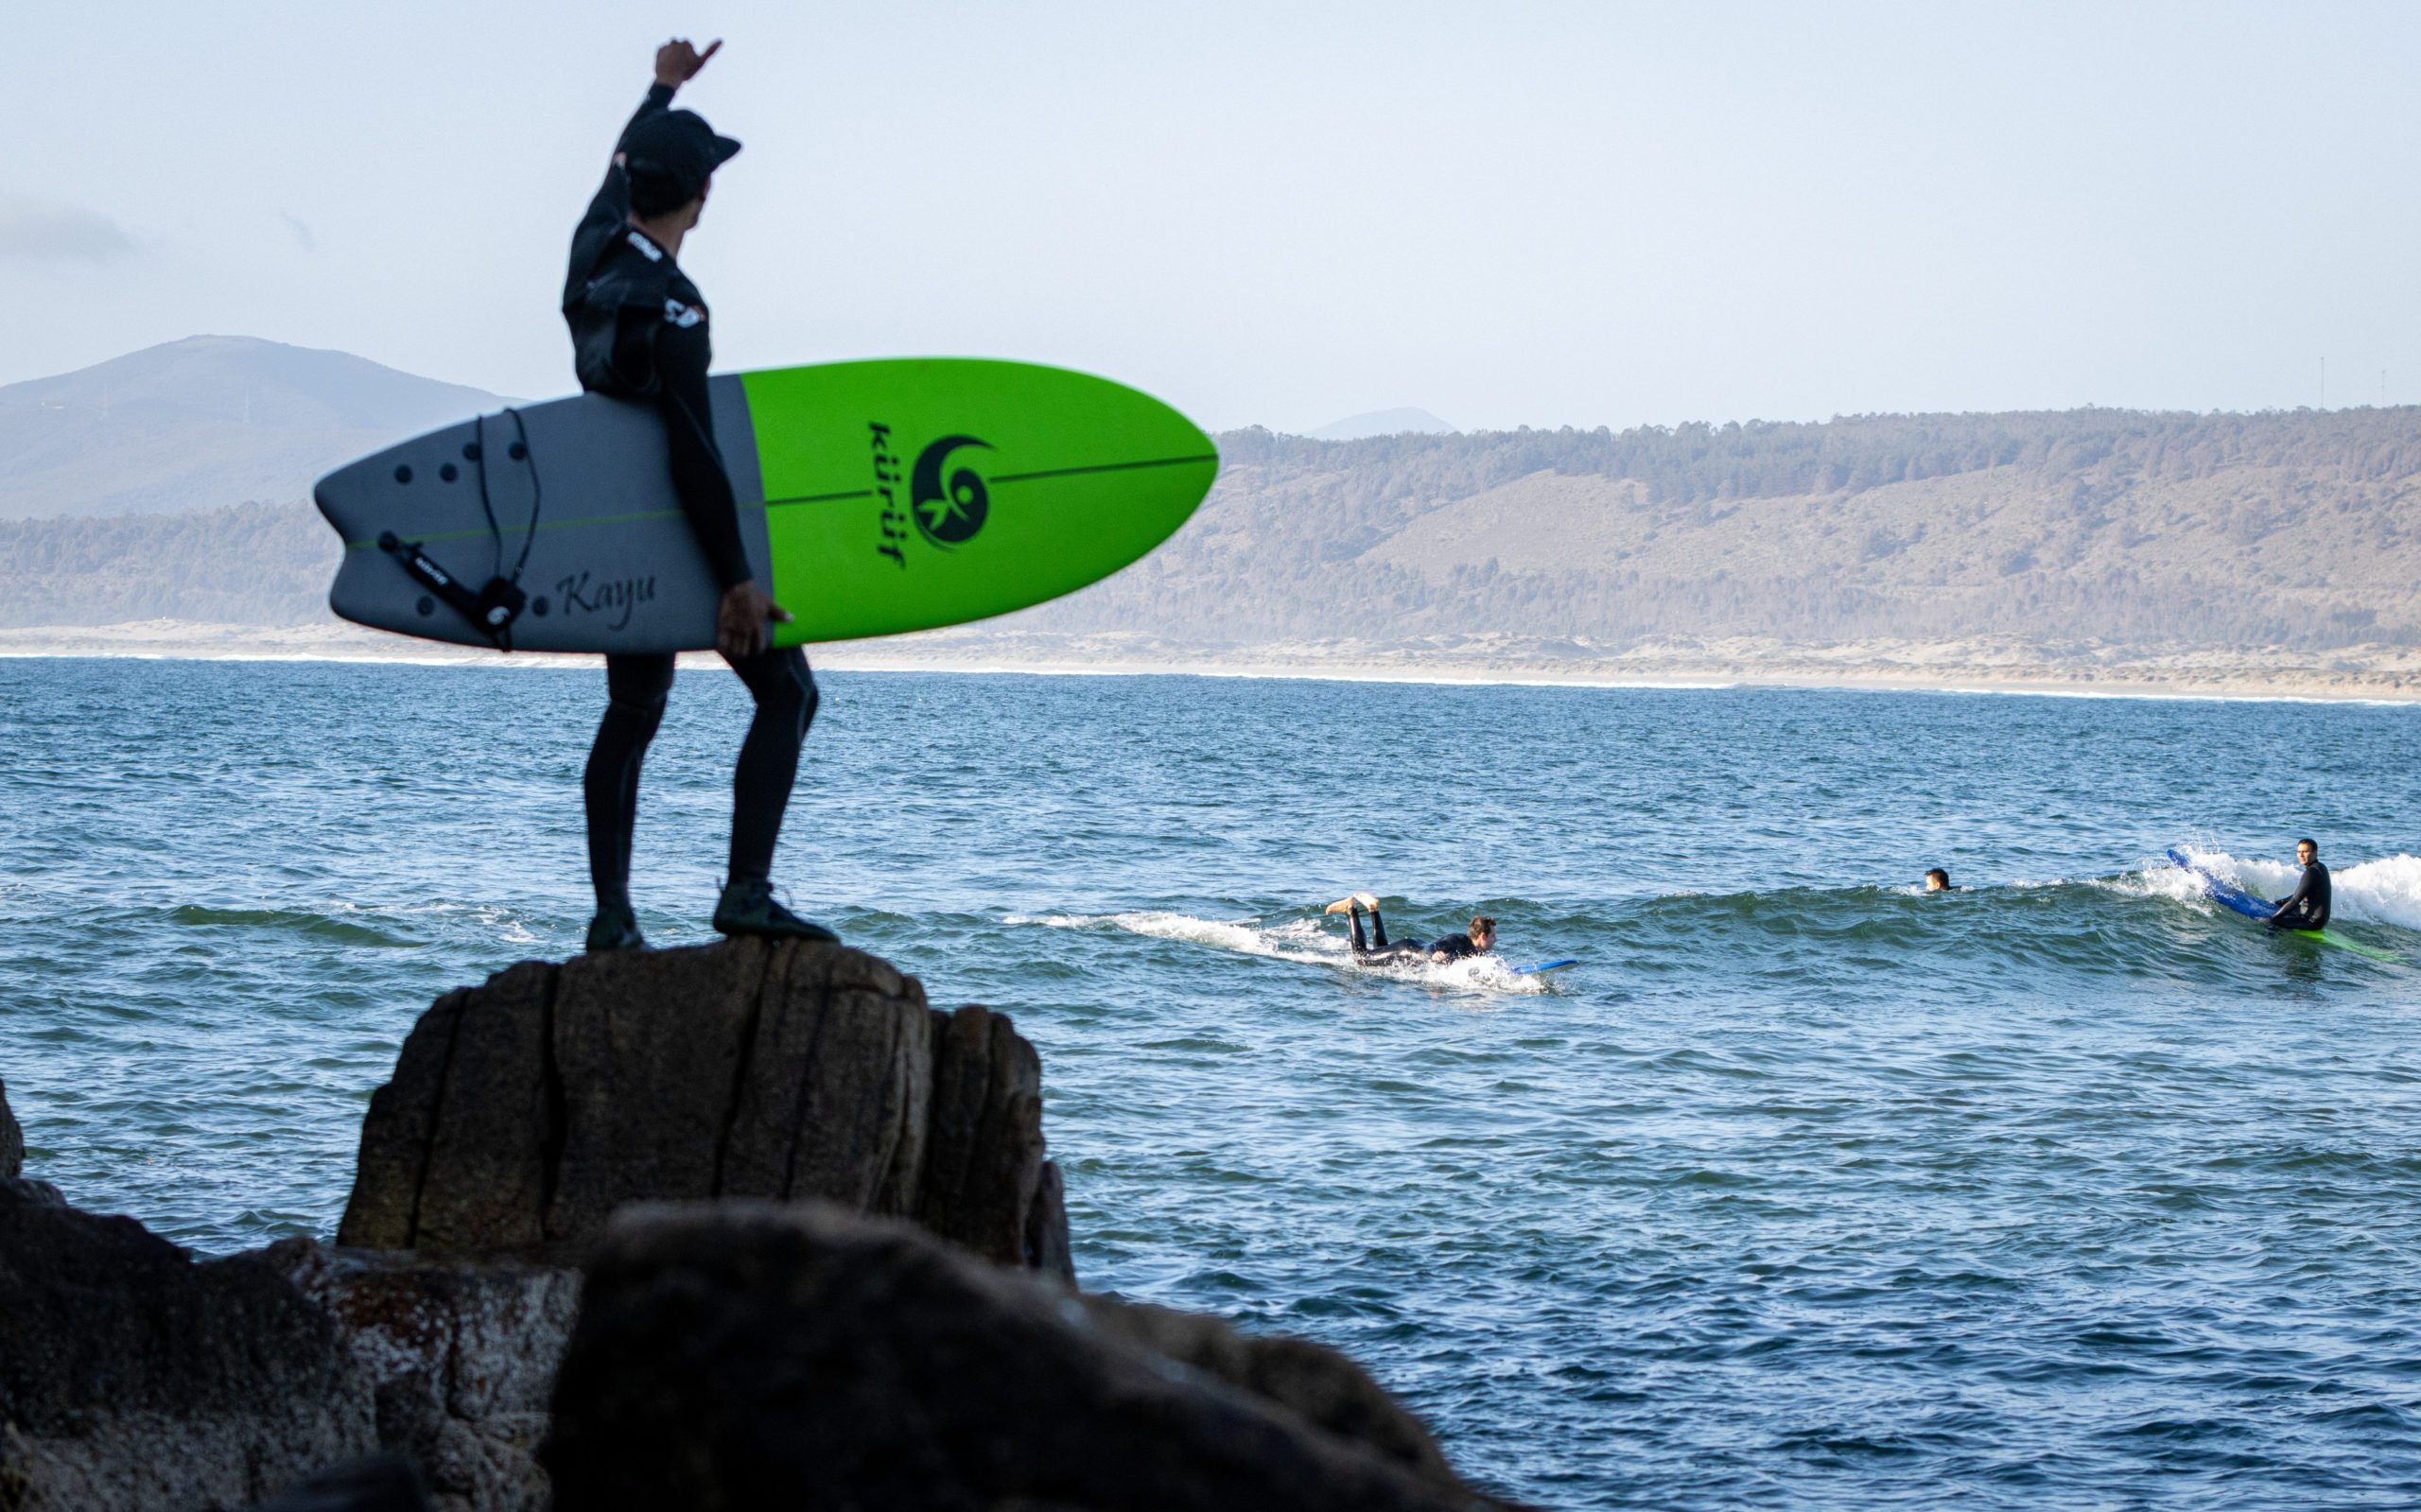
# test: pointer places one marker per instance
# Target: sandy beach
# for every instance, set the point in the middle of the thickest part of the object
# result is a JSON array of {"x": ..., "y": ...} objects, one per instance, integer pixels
[{"x": 1979, "y": 664}]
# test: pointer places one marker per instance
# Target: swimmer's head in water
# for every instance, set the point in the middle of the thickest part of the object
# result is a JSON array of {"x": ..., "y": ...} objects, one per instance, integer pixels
[{"x": 1937, "y": 880}]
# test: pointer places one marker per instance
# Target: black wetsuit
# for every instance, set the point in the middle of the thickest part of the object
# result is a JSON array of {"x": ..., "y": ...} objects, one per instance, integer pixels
[
  {"x": 1456, "y": 946},
  {"x": 1377, "y": 948},
  {"x": 2306, "y": 907},
  {"x": 640, "y": 331}
]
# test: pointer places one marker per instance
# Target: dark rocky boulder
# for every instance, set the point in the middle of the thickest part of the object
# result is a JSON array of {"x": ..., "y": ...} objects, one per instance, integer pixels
[
  {"x": 523, "y": 1112},
  {"x": 12, "y": 1139},
  {"x": 132, "y": 1376},
  {"x": 456, "y": 1360},
  {"x": 378, "y": 1483},
  {"x": 768, "y": 1348},
  {"x": 755, "y": 1354},
  {"x": 1310, "y": 1380}
]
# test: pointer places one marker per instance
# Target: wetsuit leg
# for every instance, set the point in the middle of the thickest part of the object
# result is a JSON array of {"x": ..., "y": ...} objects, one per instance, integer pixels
[
  {"x": 761, "y": 785},
  {"x": 634, "y": 690},
  {"x": 1377, "y": 947}
]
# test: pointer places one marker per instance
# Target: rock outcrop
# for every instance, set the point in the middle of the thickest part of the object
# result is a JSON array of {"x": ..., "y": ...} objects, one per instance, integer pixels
[
  {"x": 379, "y": 1483},
  {"x": 1313, "y": 1380},
  {"x": 758, "y": 1354},
  {"x": 455, "y": 1359},
  {"x": 12, "y": 1139},
  {"x": 762, "y": 1342},
  {"x": 523, "y": 1112},
  {"x": 133, "y": 1378}
]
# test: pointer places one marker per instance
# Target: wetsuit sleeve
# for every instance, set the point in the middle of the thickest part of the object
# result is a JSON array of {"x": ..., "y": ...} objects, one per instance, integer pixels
[
  {"x": 698, "y": 475},
  {"x": 1454, "y": 947},
  {"x": 2300, "y": 907},
  {"x": 611, "y": 207}
]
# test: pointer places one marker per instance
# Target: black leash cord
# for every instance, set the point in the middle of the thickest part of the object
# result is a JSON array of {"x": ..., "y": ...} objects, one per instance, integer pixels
[
  {"x": 496, "y": 532},
  {"x": 537, "y": 495}
]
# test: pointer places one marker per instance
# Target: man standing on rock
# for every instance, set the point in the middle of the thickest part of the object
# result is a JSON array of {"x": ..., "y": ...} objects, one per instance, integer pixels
[{"x": 638, "y": 330}]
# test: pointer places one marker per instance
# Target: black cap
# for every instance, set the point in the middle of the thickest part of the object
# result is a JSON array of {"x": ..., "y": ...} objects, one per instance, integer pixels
[{"x": 677, "y": 151}]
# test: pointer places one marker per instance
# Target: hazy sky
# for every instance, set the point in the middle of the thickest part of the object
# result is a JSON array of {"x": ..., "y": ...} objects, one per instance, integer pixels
[{"x": 1508, "y": 214}]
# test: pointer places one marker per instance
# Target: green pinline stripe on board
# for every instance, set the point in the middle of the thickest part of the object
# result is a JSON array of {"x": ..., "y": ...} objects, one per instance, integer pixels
[
  {"x": 1103, "y": 467},
  {"x": 820, "y": 498},
  {"x": 546, "y": 526},
  {"x": 543, "y": 527}
]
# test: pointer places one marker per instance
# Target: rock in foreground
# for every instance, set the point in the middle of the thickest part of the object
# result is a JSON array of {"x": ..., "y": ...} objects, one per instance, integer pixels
[
  {"x": 133, "y": 1378},
  {"x": 523, "y": 1112},
  {"x": 456, "y": 1358},
  {"x": 12, "y": 1139},
  {"x": 755, "y": 1354}
]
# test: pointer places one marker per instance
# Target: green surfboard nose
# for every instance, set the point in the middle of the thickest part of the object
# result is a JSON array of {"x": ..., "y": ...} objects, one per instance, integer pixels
[{"x": 906, "y": 494}]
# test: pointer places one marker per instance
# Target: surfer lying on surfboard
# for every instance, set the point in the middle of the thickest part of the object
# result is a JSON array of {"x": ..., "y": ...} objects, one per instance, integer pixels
[{"x": 1378, "y": 949}]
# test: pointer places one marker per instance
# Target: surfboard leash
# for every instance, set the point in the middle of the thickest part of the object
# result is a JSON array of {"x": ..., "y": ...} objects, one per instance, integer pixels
[{"x": 495, "y": 606}]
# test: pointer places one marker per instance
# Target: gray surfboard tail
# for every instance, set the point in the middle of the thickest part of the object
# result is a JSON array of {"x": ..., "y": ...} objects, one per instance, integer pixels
[{"x": 570, "y": 501}]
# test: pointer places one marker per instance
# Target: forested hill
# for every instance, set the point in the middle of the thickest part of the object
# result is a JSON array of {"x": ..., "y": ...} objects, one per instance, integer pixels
[
  {"x": 2296, "y": 527},
  {"x": 2300, "y": 529}
]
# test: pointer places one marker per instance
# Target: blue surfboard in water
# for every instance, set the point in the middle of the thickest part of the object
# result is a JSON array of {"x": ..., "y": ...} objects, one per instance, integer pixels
[
  {"x": 2228, "y": 895},
  {"x": 1544, "y": 967}
]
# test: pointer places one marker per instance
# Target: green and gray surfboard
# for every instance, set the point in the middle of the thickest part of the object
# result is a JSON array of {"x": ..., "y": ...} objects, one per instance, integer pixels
[{"x": 875, "y": 498}]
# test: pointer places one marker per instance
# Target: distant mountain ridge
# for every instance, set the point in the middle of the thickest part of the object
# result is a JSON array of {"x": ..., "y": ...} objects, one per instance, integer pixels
[
  {"x": 1383, "y": 423},
  {"x": 202, "y": 423}
]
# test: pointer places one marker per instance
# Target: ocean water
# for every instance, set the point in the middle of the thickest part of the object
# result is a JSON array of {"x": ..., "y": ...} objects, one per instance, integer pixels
[{"x": 1802, "y": 1190}]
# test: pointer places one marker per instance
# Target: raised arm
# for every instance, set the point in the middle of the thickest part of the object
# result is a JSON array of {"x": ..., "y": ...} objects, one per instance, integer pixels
[{"x": 676, "y": 63}]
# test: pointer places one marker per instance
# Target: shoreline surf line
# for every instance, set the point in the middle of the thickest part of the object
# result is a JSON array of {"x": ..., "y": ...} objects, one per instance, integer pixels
[{"x": 172, "y": 646}]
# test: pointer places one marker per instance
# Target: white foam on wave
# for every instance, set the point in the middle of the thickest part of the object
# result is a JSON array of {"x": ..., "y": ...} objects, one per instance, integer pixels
[
  {"x": 2386, "y": 891},
  {"x": 1301, "y": 940}
]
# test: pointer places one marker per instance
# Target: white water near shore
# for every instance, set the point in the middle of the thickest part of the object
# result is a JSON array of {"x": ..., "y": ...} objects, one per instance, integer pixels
[{"x": 2366, "y": 674}]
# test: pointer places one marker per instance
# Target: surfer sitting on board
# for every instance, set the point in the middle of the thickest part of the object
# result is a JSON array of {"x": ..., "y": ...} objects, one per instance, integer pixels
[
  {"x": 638, "y": 330},
  {"x": 2306, "y": 907},
  {"x": 1376, "y": 949}
]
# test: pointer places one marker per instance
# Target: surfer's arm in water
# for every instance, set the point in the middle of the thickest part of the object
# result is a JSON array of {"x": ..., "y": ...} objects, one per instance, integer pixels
[{"x": 1479, "y": 940}]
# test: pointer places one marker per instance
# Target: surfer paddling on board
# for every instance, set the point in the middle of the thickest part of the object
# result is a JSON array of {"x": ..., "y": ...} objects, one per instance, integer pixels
[
  {"x": 2306, "y": 907},
  {"x": 639, "y": 331},
  {"x": 1376, "y": 949}
]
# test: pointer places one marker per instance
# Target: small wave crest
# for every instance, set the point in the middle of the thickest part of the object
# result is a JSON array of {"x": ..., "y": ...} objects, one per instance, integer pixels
[
  {"x": 290, "y": 921},
  {"x": 1299, "y": 940}
]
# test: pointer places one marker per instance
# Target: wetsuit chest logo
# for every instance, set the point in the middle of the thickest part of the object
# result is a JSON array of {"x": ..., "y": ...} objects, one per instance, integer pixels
[{"x": 948, "y": 511}]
